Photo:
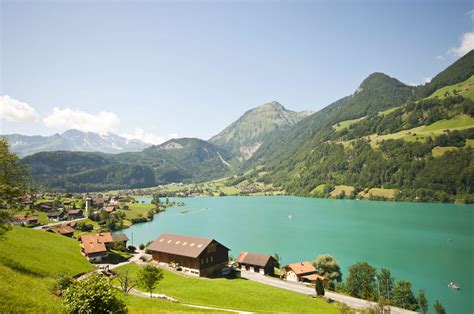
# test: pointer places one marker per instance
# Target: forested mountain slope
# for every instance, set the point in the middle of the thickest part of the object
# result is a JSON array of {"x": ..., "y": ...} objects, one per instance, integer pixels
[
  {"x": 177, "y": 160},
  {"x": 419, "y": 148}
]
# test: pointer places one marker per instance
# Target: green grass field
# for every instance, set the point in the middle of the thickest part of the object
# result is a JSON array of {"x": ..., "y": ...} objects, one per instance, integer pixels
[
  {"x": 379, "y": 192},
  {"x": 340, "y": 189},
  {"x": 30, "y": 261},
  {"x": 440, "y": 151},
  {"x": 238, "y": 294},
  {"x": 345, "y": 124},
  {"x": 319, "y": 189},
  {"x": 465, "y": 89}
]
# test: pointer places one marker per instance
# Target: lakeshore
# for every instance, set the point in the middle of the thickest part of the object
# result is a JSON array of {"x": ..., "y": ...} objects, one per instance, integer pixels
[{"x": 429, "y": 244}]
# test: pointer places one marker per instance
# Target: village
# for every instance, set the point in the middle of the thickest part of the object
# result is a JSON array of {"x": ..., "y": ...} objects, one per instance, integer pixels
[{"x": 94, "y": 219}]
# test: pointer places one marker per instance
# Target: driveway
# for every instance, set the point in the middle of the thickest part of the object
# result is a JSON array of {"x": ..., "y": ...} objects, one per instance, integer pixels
[{"x": 301, "y": 288}]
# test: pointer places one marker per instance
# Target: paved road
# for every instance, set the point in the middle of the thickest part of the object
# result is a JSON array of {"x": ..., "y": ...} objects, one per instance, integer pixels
[
  {"x": 59, "y": 223},
  {"x": 301, "y": 288}
]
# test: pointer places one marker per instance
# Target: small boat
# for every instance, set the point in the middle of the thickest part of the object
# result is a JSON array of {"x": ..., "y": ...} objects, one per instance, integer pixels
[
  {"x": 289, "y": 216},
  {"x": 453, "y": 285}
]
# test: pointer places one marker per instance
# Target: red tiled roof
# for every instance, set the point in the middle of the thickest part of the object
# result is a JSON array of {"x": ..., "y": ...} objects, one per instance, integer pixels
[
  {"x": 64, "y": 229},
  {"x": 301, "y": 268},
  {"x": 95, "y": 243}
]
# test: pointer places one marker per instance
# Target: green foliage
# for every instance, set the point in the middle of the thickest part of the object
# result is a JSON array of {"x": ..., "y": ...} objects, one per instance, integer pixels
[
  {"x": 360, "y": 281},
  {"x": 14, "y": 184},
  {"x": 149, "y": 276},
  {"x": 385, "y": 282},
  {"x": 62, "y": 283},
  {"x": 327, "y": 266},
  {"x": 439, "y": 308},
  {"x": 458, "y": 72},
  {"x": 174, "y": 161},
  {"x": 422, "y": 301},
  {"x": 403, "y": 296},
  {"x": 319, "y": 288},
  {"x": 92, "y": 295}
]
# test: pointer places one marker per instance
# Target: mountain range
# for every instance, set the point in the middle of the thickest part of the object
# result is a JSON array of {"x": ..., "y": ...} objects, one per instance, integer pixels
[
  {"x": 387, "y": 135},
  {"x": 73, "y": 140}
]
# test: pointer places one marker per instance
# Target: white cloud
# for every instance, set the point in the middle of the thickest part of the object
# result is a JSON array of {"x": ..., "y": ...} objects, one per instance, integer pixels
[
  {"x": 470, "y": 14},
  {"x": 427, "y": 79},
  {"x": 467, "y": 44},
  {"x": 16, "y": 111},
  {"x": 102, "y": 122},
  {"x": 440, "y": 58},
  {"x": 140, "y": 134}
]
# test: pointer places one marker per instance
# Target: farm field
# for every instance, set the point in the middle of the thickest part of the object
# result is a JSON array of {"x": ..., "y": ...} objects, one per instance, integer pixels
[
  {"x": 238, "y": 294},
  {"x": 465, "y": 89}
]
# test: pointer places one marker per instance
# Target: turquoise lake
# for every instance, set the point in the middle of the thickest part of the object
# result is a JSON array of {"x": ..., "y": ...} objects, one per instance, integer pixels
[{"x": 429, "y": 244}]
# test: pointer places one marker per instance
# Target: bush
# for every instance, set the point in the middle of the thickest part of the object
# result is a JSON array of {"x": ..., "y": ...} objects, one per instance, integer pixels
[
  {"x": 62, "y": 283},
  {"x": 92, "y": 295},
  {"x": 131, "y": 248},
  {"x": 141, "y": 246}
]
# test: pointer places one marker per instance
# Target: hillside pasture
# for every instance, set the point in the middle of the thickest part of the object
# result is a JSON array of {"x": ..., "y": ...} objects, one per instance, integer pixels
[
  {"x": 237, "y": 294},
  {"x": 342, "y": 190}
]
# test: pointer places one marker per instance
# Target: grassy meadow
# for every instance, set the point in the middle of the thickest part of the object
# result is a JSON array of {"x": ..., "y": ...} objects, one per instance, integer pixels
[{"x": 238, "y": 294}]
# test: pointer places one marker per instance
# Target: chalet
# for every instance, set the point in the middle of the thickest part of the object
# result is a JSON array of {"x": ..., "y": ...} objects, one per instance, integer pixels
[
  {"x": 197, "y": 256},
  {"x": 44, "y": 207},
  {"x": 23, "y": 220},
  {"x": 56, "y": 216},
  {"x": 64, "y": 230},
  {"x": 302, "y": 272},
  {"x": 259, "y": 263},
  {"x": 120, "y": 239},
  {"x": 94, "y": 246},
  {"x": 98, "y": 201},
  {"x": 75, "y": 213}
]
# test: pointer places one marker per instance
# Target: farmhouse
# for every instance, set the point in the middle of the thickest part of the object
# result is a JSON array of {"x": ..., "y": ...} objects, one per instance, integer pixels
[
  {"x": 302, "y": 272},
  {"x": 23, "y": 220},
  {"x": 259, "y": 263},
  {"x": 197, "y": 256},
  {"x": 64, "y": 230},
  {"x": 75, "y": 213},
  {"x": 56, "y": 216},
  {"x": 94, "y": 246}
]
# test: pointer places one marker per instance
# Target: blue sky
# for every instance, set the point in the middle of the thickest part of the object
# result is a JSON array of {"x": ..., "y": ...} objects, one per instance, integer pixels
[{"x": 155, "y": 69}]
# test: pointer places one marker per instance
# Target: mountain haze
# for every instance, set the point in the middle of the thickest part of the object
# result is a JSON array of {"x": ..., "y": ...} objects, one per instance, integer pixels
[
  {"x": 244, "y": 136},
  {"x": 73, "y": 140}
]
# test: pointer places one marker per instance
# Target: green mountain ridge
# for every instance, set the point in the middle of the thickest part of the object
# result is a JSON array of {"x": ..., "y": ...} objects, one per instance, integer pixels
[
  {"x": 177, "y": 160},
  {"x": 245, "y": 135}
]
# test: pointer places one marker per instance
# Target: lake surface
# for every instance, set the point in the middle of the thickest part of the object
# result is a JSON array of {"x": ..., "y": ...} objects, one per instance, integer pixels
[{"x": 429, "y": 244}]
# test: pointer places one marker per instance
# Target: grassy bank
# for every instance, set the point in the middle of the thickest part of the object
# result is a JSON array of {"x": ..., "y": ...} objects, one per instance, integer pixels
[{"x": 238, "y": 294}]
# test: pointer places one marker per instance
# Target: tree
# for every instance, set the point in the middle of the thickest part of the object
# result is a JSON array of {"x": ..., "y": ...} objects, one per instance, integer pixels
[
  {"x": 385, "y": 281},
  {"x": 361, "y": 281},
  {"x": 403, "y": 296},
  {"x": 319, "y": 288},
  {"x": 149, "y": 276},
  {"x": 327, "y": 266},
  {"x": 422, "y": 301},
  {"x": 14, "y": 184},
  {"x": 126, "y": 282},
  {"x": 277, "y": 258},
  {"x": 439, "y": 308},
  {"x": 94, "y": 294}
]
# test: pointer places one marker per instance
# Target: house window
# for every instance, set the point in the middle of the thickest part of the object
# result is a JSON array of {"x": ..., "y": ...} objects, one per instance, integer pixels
[
  {"x": 207, "y": 260},
  {"x": 212, "y": 259},
  {"x": 202, "y": 261}
]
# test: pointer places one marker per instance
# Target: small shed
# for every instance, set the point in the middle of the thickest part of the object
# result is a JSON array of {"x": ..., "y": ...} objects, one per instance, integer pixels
[{"x": 302, "y": 272}]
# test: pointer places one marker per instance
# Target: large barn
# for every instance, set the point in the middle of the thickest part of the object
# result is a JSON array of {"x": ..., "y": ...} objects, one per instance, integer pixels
[{"x": 197, "y": 256}]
